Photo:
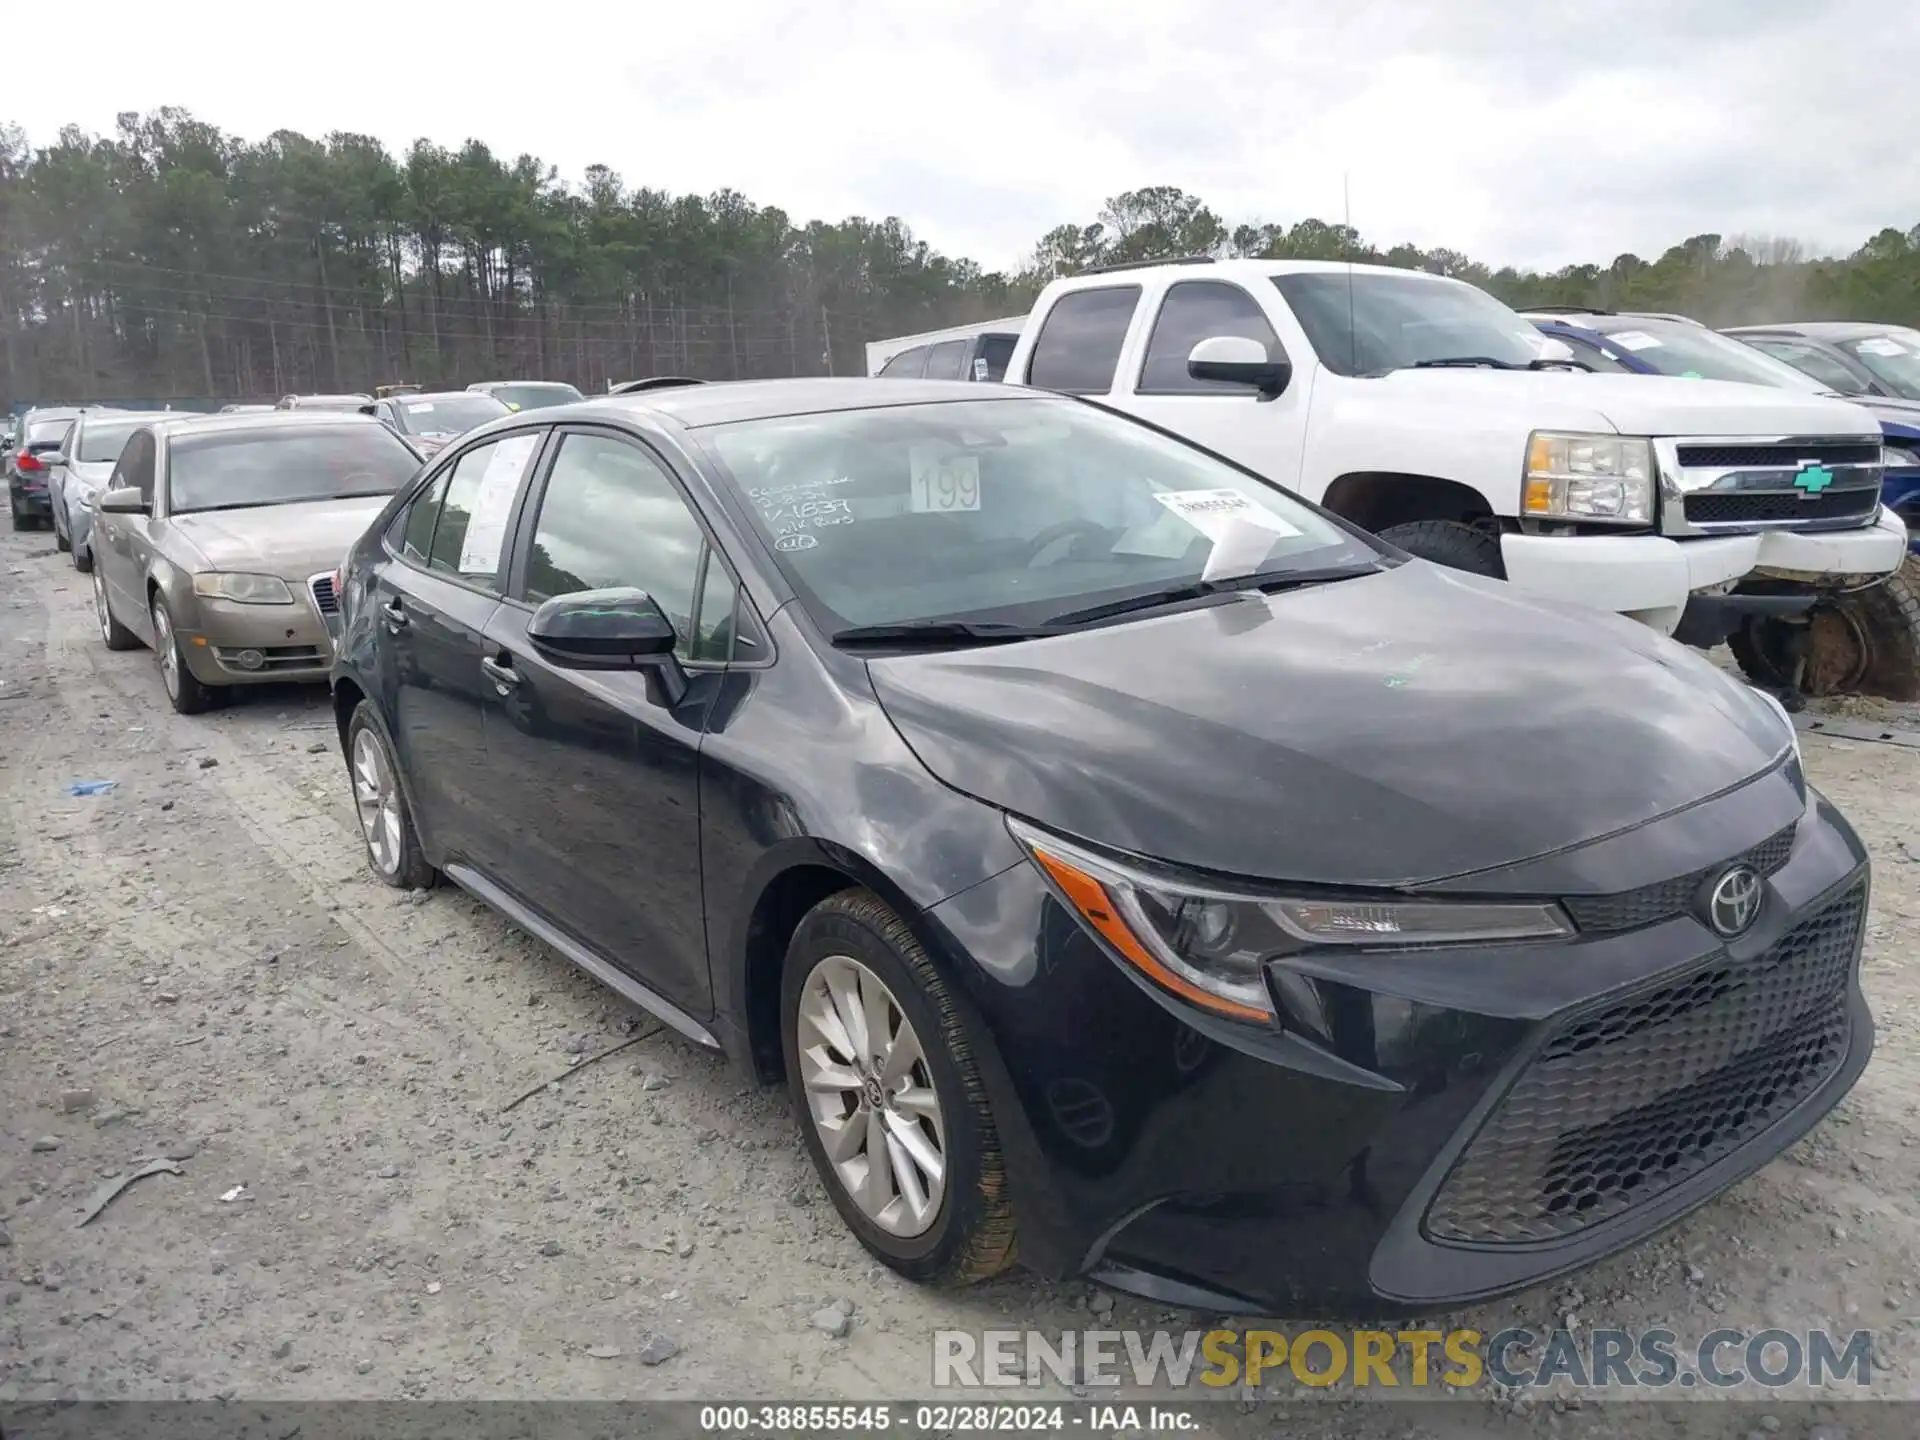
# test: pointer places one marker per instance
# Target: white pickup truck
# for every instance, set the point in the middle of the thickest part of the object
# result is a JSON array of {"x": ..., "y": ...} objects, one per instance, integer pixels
[{"x": 1423, "y": 409}]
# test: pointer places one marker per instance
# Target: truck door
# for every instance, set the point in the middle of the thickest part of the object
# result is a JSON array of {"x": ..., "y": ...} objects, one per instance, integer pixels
[{"x": 1266, "y": 435}]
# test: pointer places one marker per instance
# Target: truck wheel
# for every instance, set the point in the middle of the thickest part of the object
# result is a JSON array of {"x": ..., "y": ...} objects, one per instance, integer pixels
[
  {"x": 1449, "y": 543},
  {"x": 1865, "y": 643}
]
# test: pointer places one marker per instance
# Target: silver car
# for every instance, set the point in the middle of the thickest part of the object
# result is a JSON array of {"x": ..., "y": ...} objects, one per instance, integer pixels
[
  {"x": 80, "y": 470},
  {"x": 216, "y": 541},
  {"x": 430, "y": 421}
]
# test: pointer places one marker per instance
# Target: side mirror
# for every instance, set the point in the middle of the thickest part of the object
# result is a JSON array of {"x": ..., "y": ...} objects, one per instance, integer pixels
[
  {"x": 617, "y": 629},
  {"x": 125, "y": 501},
  {"x": 1238, "y": 360}
]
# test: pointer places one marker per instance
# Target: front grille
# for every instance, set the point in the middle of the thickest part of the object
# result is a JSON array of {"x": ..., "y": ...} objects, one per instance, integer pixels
[
  {"x": 1790, "y": 456},
  {"x": 1620, "y": 1106},
  {"x": 1713, "y": 507},
  {"x": 324, "y": 600},
  {"x": 1630, "y": 909}
]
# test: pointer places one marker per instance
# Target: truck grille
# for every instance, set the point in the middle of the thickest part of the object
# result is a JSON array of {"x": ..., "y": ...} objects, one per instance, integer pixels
[
  {"x": 1630, "y": 909},
  {"x": 1620, "y": 1106},
  {"x": 1716, "y": 508},
  {"x": 1772, "y": 457}
]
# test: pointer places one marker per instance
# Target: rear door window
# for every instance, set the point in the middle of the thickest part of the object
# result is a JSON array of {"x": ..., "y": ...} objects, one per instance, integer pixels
[
  {"x": 1078, "y": 347},
  {"x": 907, "y": 364},
  {"x": 947, "y": 360}
]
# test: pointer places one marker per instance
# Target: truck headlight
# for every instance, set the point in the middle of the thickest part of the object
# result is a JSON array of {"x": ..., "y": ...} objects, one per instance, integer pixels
[
  {"x": 1210, "y": 946},
  {"x": 243, "y": 589},
  {"x": 1608, "y": 478}
]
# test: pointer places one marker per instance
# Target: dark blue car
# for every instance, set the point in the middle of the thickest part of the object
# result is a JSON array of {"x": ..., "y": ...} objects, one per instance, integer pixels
[{"x": 1643, "y": 344}]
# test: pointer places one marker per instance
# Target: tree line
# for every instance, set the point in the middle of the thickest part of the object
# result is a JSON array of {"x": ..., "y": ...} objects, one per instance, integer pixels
[{"x": 169, "y": 258}]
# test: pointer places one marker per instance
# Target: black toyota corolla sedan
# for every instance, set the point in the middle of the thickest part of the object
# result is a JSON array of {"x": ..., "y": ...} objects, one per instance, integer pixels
[{"x": 1126, "y": 865}]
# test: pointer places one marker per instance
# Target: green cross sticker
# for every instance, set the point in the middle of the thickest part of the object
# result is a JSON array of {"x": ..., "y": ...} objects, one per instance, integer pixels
[{"x": 1812, "y": 479}]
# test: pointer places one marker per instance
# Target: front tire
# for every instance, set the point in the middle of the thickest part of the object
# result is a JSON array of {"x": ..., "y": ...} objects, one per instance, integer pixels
[
  {"x": 184, "y": 689},
  {"x": 891, "y": 1105},
  {"x": 1863, "y": 643},
  {"x": 60, "y": 541},
  {"x": 1449, "y": 543},
  {"x": 386, "y": 824},
  {"x": 83, "y": 559}
]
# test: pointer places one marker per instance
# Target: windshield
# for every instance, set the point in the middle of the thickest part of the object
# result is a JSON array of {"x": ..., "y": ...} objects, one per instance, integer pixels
[
  {"x": 1011, "y": 510},
  {"x": 448, "y": 414},
  {"x": 1700, "y": 354},
  {"x": 1365, "y": 323},
  {"x": 102, "y": 444},
  {"x": 278, "y": 467},
  {"x": 1894, "y": 358},
  {"x": 536, "y": 396}
]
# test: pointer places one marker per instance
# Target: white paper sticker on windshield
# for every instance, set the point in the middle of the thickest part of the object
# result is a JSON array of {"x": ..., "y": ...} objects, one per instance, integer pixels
[
  {"x": 1634, "y": 340},
  {"x": 1880, "y": 345},
  {"x": 487, "y": 526},
  {"x": 942, "y": 481},
  {"x": 419, "y": 407},
  {"x": 1214, "y": 512}
]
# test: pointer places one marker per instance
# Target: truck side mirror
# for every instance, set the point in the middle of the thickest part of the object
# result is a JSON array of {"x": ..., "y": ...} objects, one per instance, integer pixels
[{"x": 1238, "y": 360}]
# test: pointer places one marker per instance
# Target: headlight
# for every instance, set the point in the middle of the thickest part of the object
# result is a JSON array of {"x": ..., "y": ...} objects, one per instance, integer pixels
[
  {"x": 1589, "y": 477},
  {"x": 1786, "y": 720},
  {"x": 243, "y": 589},
  {"x": 1210, "y": 946},
  {"x": 1901, "y": 457}
]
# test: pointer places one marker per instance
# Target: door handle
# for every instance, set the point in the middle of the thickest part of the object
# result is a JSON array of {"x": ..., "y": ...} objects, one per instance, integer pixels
[
  {"x": 501, "y": 672},
  {"x": 396, "y": 615}
]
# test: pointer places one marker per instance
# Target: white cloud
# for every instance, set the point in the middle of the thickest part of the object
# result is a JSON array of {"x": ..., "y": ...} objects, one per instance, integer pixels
[{"x": 1535, "y": 135}]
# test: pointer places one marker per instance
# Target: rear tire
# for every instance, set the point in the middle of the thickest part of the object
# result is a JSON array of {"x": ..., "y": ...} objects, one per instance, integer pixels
[
  {"x": 60, "y": 540},
  {"x": 934, "y": 1106},
  {"x": 386, "y": 823},
  {"x": 1449, "y": 543},
  {"x": 116, "y": 635},
  {"x": 20, "y": 521}
]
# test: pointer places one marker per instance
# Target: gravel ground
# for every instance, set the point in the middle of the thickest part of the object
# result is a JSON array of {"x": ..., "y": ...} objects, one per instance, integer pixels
[{"x": 195, "y": 965}]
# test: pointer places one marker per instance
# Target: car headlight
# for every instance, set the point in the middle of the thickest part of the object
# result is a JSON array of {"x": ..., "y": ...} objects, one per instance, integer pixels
[
  {"x": 243, "y": 589},
  {"x": 1901, "y": 457},
  {"x": 1608, "y": 478},
  {"x": 1786, "y": 720},
  {"x": 1209, "y": 946}
]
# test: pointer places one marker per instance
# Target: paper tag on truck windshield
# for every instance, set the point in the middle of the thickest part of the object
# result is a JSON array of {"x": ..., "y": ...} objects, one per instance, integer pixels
[
  {"x": 1634, "y": 340},
  {"x": 487, "y": 527},
  {"x": 1880, "y": 345},
  {"x": 943, "y": 482}
]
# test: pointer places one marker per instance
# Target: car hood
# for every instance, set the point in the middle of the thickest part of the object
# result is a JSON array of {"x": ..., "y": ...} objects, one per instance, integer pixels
[
  {"x": 291, "y": 541},
  {"x": 1636, "y": 404},
  {"x": 1406, "y": 726}
]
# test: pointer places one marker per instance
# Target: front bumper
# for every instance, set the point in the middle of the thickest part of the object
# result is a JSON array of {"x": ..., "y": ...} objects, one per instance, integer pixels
[
  {"x": 1650, "y": 577},
  {"x": 1422, "y": 1131},
  {"x": 291, "y": 641}
]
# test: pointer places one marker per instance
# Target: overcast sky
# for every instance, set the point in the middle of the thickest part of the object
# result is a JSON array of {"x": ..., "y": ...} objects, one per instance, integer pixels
[{"x": 1535, "y": 134}]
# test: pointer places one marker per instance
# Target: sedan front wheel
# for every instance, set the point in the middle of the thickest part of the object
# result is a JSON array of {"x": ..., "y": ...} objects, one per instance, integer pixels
[
  {"x": 892, "y": 1106},
  {"x": 184, "y": 689},
  {"x": 386, "y": 824}
]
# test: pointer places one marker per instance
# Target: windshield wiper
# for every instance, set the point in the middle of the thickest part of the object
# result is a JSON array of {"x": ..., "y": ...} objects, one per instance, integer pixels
[
  {"x": 1268, "y": 582},
  {"x": 940, "y": 632},
  {"x": 1485, "y": 362}
]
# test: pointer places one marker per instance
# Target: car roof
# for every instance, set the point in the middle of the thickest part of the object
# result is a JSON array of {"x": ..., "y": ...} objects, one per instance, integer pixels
[
  {"x": 543, "y": 384},
  {"x": 174, "y": 423},
  {"x": 1205, "y": 267},
  {"x": 726, "y": 401},
  {"x": 1820, "y": 329},
  {"x": 53, "y": 412}
]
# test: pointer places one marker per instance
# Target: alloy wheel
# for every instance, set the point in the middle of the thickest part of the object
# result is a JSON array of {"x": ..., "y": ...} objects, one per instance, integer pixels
[
  {"x": 100, "y": 611},
  {"x": 377, "y": 799},
  {"x": 164, "y": 648},
  {"x": 871, "y": 1096}
]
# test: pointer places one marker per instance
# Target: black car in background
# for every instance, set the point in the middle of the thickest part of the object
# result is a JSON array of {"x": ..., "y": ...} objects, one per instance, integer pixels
[
  {"x": 1103, "y": 845},
  {"x": 30, "y": 463}
]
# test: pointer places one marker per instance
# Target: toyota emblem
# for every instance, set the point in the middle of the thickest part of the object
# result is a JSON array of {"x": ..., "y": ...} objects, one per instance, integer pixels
[{"x": 1734, "y": 903}]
